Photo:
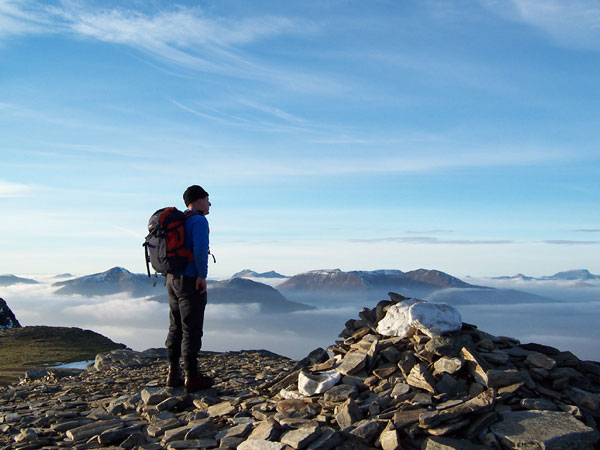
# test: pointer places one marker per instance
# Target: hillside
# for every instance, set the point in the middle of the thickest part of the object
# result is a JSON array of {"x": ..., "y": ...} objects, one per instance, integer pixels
[
  {"x": 374, "y": 388},
  {"x": 37, "y": 347},
  {"x": 242, "y": 291}
]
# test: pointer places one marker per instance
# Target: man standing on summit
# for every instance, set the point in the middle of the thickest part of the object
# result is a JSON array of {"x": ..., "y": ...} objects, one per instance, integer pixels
[{"x": 187, "y": 297}]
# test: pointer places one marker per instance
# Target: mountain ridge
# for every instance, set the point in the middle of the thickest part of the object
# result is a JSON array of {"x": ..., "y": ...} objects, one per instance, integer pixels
[
  {"x": 10, "y": 279},
  {"x": 368, "y": 285},
  {"x": 567, "y": 275},
  {"x": 248, "y": 273},
  {"x": 112, "y": 281}
]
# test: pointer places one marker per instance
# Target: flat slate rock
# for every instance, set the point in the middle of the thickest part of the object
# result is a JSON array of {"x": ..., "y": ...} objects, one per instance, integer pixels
[
  {"x": 444, "y": 443},
  {"x": 547, "y": 430}
]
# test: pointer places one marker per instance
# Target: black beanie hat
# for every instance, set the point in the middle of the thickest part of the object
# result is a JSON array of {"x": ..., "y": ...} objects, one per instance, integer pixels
[{"x": 193, "y": 193}]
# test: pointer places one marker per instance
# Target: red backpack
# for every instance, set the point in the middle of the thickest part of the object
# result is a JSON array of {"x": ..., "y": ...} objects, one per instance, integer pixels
[{"x": 164, "y": 244}]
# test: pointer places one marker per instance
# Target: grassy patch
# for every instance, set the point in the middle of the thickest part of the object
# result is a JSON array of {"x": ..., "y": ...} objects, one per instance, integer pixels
[{"x": 29, "y": 348}]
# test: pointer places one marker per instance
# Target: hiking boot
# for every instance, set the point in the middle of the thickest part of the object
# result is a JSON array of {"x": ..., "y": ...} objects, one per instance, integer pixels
[
  {"x": 174, "y": 378},
  {"x": 196, "y": 382}
]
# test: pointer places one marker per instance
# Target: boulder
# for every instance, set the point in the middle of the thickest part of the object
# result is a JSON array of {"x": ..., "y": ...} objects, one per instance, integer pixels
[
  {"x": 317, "y": 383},
  {"x": 340, "y": 393},
  {"x": 433, "y": 319},
  {"x": 353, "y": 362},
  {"x": 300, "y": 438},
  {"x": 258, "y": 444},
  {"x": 121, "y": 358},
  {"x": 347, "y": 414},
  {"x": 543, "y": 429}
]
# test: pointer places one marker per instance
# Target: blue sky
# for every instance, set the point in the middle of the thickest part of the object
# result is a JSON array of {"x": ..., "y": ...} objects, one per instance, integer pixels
[{"x": 451, "y": 135}]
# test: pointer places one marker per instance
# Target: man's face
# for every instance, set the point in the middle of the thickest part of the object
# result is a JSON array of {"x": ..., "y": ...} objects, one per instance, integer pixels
[{"x": 202, "y": 204}]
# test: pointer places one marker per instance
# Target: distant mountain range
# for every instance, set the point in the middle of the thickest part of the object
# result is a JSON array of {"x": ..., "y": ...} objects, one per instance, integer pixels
[
  {"x": 237, "y": 290},
  {"x": 289, "y": 295},
  {"x": 517, "y": 277},
  {"x": 113, "y": 281},
  {"x": 569, "y": 275},
  {"x": 9, "y": 280},
  {"x": 367, "y": 285},
  {"x": 314, "y": 288},
  {"x": 247, "y": 273}
]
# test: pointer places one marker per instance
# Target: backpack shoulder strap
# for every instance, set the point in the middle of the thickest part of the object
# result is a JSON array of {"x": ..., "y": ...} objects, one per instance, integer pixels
[{"x": 192, "y": 213}]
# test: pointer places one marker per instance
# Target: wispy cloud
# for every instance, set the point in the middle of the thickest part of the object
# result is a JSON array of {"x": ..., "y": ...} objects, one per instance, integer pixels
[
  {"x": 570, "y": 242},
  {"x": 588, "y": 230},
  {"x": 178, "y": 36},
  {"x": 436, "y": 241},
  {"x": 229, "y": 119},
  {"x": 432, "y": 240},
  {"x": 414, "y": 161},
  {"x": 65, "y": 118},
  {"x": 301, "y": 160},
  {"x": 575, "y": 23},
  {"x": 22, "y": 17},
  {"x": 272, "y": 111},
  {"x": 184, "y": 36},
  {"x": 429, "y": 231},
  {"x": 9, "y": 189}
]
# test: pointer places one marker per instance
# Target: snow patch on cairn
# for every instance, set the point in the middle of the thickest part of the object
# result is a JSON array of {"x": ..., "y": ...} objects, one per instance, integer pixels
[
  {"x": 317, "y": 383},
  {"x": 433, "y": 319}
]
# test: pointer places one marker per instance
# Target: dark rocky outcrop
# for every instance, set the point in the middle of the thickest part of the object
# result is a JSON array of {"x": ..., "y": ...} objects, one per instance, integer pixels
[{"x": 7, "y": 317}]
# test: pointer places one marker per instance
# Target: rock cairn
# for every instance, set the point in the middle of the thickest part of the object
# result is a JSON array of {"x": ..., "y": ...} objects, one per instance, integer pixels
[{"x": 430, "y": 389}]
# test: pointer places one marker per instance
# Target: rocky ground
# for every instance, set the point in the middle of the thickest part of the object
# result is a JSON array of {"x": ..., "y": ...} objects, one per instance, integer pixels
[{"x": 463, "y": 390}]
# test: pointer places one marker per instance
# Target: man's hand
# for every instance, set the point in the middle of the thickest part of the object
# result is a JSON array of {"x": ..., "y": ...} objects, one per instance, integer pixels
[{"x": 201, "y": 285}]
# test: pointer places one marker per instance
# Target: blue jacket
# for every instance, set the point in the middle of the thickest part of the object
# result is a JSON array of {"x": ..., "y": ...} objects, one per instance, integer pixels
[{"x": 196, "y": 239}]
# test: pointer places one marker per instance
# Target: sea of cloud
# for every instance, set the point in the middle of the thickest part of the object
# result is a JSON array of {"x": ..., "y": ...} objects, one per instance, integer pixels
[
  {"x": 569, "y": 323},
  {"x": 140, "y": 323}
]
